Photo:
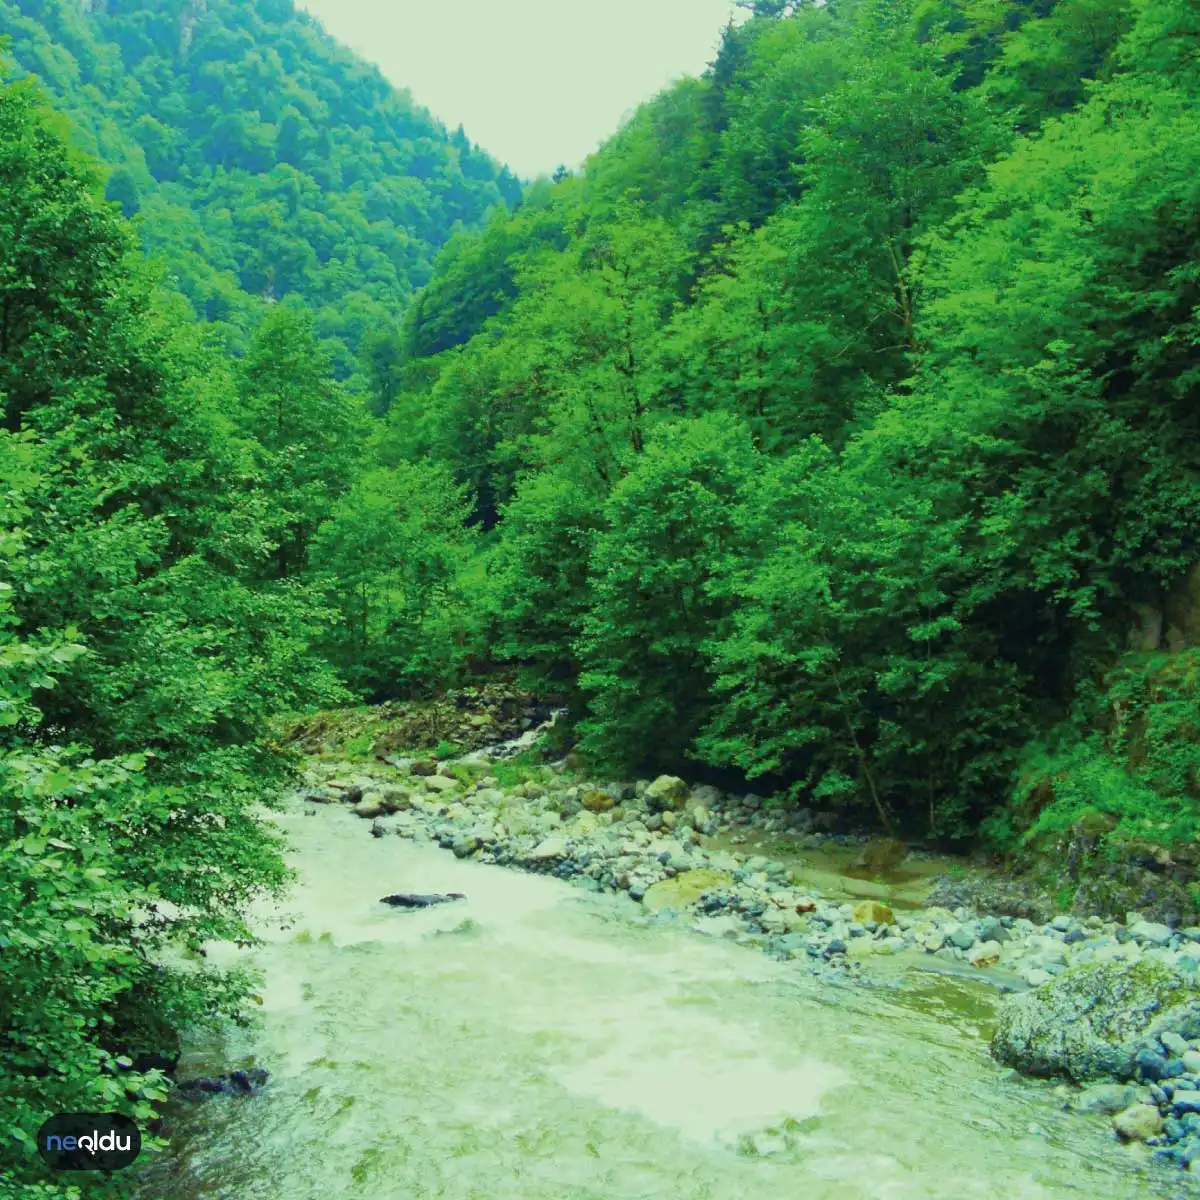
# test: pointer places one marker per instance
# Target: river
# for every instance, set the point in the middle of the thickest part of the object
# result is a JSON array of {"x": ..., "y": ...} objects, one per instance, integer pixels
[{"x": 537, "y": 1041}]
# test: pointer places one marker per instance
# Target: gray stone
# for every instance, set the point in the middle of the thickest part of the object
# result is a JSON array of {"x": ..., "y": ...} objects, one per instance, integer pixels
[
  {"x": 1091, "y": 1021},
  {"x": 706, "y": 796},
  {"x": 1150, "y": 1065},
  {"x": 441, "y": 783},
  {"x": 1138, "y": 1123},
  {"x": 1106, "y": 1098},
  {"x": 548, "y": 849},
  {"x": 1174, "y": 1043},
  {"x": 962, "y": 938},
  {"x": 992, "y": 930},
  {"x": 1151, "y": 933},
  {"x": 370, "y": 806}
]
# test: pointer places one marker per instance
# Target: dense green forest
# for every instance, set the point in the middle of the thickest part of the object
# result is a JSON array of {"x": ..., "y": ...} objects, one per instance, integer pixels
[
  {"x": 262, "y": 159},
  {"x": 835, "y": 428}
]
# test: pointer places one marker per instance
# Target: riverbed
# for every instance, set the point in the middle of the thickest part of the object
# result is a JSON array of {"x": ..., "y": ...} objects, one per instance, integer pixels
[{"x": 538, "y": 1041}]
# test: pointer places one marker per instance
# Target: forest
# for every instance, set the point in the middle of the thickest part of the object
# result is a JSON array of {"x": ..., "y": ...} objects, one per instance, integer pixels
[{"x": 835, "y": 428}]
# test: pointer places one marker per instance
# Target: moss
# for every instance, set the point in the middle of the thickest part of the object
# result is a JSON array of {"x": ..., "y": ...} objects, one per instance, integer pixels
[{"x": 1089, "y": 1022}]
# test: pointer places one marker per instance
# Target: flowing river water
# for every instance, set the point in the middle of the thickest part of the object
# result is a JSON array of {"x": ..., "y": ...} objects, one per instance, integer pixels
[{"x": 537, "y": 1041}]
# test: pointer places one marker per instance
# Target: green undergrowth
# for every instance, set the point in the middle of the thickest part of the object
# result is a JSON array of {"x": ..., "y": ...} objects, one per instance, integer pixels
[{"x": 1123, "y": 770}]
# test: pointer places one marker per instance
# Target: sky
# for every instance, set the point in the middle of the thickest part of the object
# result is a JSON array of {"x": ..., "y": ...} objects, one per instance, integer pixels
[{"x": 534, "y": 82}]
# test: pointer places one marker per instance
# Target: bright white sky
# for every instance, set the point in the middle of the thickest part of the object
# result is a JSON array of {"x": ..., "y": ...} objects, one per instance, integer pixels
[{"x": 534, "y": 82}]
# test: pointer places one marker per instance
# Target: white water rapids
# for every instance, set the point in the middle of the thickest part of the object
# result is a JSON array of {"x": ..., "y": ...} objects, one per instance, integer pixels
[{"x": 539, "y": 1043}]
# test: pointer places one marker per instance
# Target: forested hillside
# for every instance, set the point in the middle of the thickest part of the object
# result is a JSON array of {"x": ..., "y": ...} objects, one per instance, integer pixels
[
  {"x": 835, "y": 423},
  {"x": 263, "y": 159},
  {"x": 835, "y": 429}
]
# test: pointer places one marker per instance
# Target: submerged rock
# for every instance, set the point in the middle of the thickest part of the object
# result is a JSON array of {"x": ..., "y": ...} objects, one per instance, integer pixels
[
  {"x": 1105, "y": 1098},
  {"x": 1138, "y": 1123},
  {"x": 1093, "y": 1021},
  {"x": 883, "y": 854},
  {"x": 236, "y": 1083}
]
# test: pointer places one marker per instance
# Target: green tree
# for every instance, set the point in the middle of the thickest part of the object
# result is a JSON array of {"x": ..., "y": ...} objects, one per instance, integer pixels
[
  {"x": 122, "y": 189},
  {"x": 392, "y": 555},
  {"x": 669, "y": 533},
  {"x": 140, "y": 660},
  {"x": 303, "y": 427}
]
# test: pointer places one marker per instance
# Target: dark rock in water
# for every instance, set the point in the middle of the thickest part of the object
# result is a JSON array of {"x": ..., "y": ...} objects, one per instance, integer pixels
[
  {"x": 415, "y": 900},
  {"x": 236, "y": 1083},
  {"x": 883, "y": 854},
  {"x": 377, "y": 831}
]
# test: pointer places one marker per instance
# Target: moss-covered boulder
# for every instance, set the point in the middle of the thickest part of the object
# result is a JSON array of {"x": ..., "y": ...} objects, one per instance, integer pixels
[
  {"x": 668, "y": 793},
  {"x": 874, "y": 910},
  {"x": 596, "y": 801},
  {"x": 686, "y": 888},
  {"x": 1090, "y": 1022}
]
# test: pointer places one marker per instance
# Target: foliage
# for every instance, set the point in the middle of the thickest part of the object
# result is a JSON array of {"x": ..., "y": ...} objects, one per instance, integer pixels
[
  {"x": 669, "y": 535},
  {"x": 141, "y": 653},
  {"x": 391, "y": 557},
  {"x": 826, "y": 428},
  {"x": 920, "y": 279},
  {"x": 264, "y": 159}
]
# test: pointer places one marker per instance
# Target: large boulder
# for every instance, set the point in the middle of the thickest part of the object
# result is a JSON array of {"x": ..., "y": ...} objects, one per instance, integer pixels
[
  {"x": 686, "y": 888},
  {"x": 666, "y": 793},
  {"x": 873, "y": 910},
  {"x": 596, "y": 801},
  {"x": 1091, "y": 1021},
  {"x": 882, "y": 854},
  {"x": 371, "y": 805},
  {"x": 548, "y": 850}
]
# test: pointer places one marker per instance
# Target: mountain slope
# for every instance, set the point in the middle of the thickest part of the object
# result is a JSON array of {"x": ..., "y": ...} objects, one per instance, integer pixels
[{"x": 264, "y": 159}]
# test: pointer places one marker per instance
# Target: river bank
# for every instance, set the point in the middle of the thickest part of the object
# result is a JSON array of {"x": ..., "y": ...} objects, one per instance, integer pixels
[
  {"x": 841, "y": 909},
  {"x": 539, "y": 1040}
]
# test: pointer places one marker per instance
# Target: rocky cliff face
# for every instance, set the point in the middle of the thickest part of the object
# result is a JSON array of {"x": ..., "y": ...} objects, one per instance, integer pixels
[{"x": 1170, "y": 622}]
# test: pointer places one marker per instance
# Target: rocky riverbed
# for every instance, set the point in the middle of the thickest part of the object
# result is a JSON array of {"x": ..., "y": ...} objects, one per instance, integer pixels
[{"x": 675, "y": 849}]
